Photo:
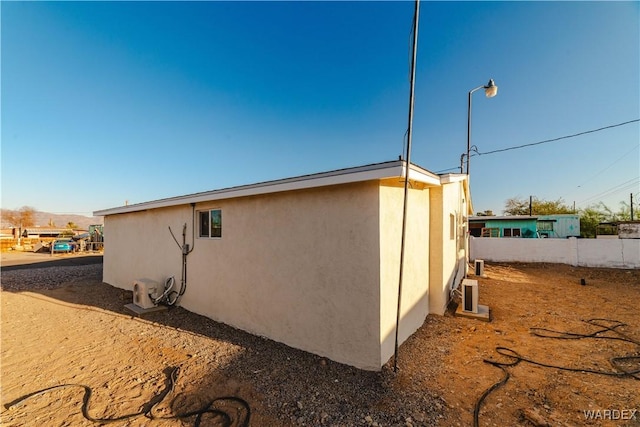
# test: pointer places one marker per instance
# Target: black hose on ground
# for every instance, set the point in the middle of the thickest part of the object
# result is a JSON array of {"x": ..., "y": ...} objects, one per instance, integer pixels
[
  {"x": 619, "y": 363},
  {"x": 226, "y": 419}
]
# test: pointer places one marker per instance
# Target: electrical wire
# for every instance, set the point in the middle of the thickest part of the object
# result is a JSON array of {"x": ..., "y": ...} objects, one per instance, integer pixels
[
  {"x": 447, "y": 170},
  {"x": 614, "y": 162},
  {"x": 174, "y": 238},
  {"x": 184, "y": 248},
  {"x": 404, "y": 143},
  {"x": 167, "y": 294},
  {"x": 478, "y": 153},
  {"x": 409, "y": 61},
  {"x": 619, "y": 363},
  {"x": 554, "y": 139},
  {"x": 240, "y": 418},
  {"x": 613, "y": 190},
  {"x": 603, "y": 170}
]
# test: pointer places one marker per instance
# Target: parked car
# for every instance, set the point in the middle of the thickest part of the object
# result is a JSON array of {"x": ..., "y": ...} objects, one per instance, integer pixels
[{"x": 63, "y": 245}]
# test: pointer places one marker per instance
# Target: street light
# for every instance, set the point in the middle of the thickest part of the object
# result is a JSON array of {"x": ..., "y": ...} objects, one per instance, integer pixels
[{"x": 490, "y": 90}]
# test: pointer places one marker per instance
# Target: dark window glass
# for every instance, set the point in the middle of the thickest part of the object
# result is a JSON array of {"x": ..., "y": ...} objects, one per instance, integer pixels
[
  {"x": 204, "y": 224},
  {"x": 216, "y": 223}
]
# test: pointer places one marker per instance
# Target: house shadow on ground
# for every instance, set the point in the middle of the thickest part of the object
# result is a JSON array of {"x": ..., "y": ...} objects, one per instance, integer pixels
[{"x": 282, "y": 385}]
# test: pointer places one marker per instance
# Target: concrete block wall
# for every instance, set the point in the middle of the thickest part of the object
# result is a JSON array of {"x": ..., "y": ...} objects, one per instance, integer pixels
[{"x": 608, "y": 253}]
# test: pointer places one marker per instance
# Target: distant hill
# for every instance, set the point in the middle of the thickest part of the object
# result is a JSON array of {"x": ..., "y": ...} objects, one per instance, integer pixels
[{"x": 43, "y": 219}]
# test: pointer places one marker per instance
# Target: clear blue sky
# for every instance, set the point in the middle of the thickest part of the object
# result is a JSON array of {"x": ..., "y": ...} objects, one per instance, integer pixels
[{"x": 109, "y": 102}]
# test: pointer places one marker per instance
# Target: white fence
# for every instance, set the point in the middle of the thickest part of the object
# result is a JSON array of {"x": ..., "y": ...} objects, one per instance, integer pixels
[{"x": 613, "y": 253}]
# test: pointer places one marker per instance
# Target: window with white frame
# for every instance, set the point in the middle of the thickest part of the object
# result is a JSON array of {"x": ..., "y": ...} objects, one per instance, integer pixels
[{"x": 210, "y": 223}]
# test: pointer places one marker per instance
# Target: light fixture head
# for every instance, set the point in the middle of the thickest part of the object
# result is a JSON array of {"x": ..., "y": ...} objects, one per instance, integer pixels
[{"x": 491, "y": 90}]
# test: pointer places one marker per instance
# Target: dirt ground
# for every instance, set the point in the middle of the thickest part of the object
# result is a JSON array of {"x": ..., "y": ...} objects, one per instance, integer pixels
[
  {"x": 526, "y": 296},
  {"x": 78, "y": 333}
]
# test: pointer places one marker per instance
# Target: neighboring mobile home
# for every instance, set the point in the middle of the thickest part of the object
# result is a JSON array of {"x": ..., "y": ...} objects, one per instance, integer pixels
[
  {"x": 527, "y": 226},
  {"x": 311, "y": 261}
]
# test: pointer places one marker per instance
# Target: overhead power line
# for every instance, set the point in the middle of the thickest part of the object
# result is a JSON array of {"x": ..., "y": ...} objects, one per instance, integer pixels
[
  {"x": 627, "y": 185},
  {"x": 608, "y": 167},
  {"x": 478, "y": 153},
  {"x": 555, "y": 139}
]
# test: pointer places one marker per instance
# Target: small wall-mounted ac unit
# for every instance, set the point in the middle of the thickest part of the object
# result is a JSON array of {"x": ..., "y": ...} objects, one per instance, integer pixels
[
  {"x": 479, "y": 267},
  {"x": 144, "y": 291},
  {"x": 470, "y": 295}
]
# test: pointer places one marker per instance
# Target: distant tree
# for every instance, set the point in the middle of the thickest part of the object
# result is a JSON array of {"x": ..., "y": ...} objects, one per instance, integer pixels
[
  {"x": 598, "y": 213},
  {"x": 488, "y": 212},
  {"x": 624, "y": 214},
  {"x": 52, "y": 224},
  {"x": 518, "y": 206},
  {"x": 21, "y": 218},
  {"x": 590, "y": 217},
  {"x": 72, "y": 225}
]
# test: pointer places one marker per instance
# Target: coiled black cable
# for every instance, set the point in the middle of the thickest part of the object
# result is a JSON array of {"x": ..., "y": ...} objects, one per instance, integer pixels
[
  {"x": 618, "y": 363},
  {"x": 239, "y": 419}
]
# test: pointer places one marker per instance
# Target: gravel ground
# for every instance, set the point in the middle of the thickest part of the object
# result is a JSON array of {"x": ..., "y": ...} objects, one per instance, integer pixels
[
  {"x": 294, "y": 387},
  {"x": 29, "y": 279}
]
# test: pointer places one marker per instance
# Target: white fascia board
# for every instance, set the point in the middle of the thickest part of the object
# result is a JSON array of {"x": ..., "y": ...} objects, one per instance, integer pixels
[
  {"x": 342, "y": 176},
  {"x": 452, "y": 177},
  {"x": 416, "y": 173}
]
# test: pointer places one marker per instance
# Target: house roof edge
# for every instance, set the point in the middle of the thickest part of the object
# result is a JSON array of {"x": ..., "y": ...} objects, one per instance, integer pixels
[{"x": 369, "y": 172}]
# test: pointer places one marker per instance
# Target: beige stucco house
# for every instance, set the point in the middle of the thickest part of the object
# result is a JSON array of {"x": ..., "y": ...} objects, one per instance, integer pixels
[{"x": 311, "y": 261}]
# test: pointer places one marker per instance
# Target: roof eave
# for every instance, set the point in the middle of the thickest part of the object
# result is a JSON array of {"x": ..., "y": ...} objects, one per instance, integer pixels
[{"x": 376, "y": 171}]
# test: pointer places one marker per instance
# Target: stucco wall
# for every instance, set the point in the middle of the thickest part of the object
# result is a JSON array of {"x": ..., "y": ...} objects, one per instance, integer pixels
[
  {"x": 415, "y": 288},
  {"x": 614, "y": 253},
  {"x": 299, "y": 267},
  {"x": 139, "y": 245},
  {"x": 447, "y": 243}
]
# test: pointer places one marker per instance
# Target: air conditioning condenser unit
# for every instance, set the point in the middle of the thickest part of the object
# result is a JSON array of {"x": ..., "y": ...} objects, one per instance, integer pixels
[
  {"x": 470, "y": 295},
  {"x": 479, "y": 268},
  {"x": 144, "y": 292}
]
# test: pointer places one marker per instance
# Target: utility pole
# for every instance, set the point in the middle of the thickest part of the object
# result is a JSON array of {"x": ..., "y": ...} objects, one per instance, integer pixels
[
  {"x": 416, "y": 14},
  {"x": 631, "y": 204}
]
